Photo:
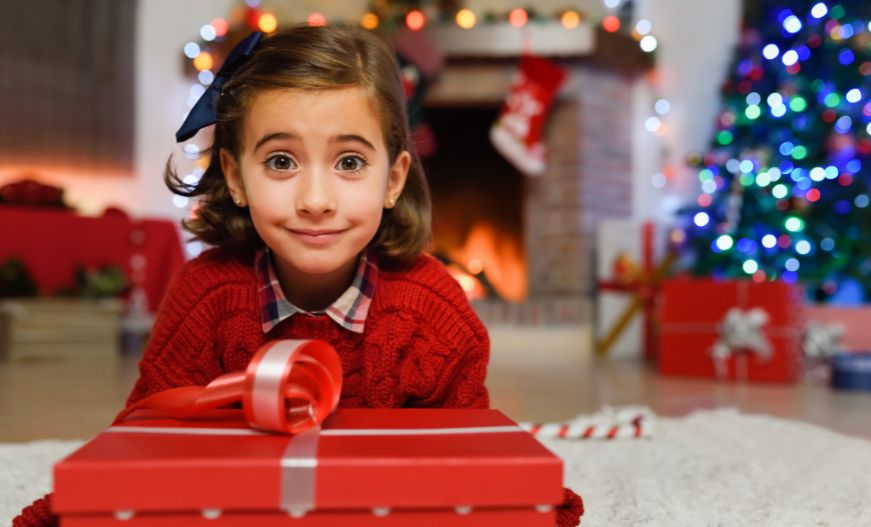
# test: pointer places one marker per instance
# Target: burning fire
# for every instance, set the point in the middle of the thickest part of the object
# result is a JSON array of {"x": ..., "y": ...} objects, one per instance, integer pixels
[{"x": 487, "y": 254}]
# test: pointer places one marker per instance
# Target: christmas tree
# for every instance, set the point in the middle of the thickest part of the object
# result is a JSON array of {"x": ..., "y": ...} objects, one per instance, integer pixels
[{"x": 786, "y": 180}]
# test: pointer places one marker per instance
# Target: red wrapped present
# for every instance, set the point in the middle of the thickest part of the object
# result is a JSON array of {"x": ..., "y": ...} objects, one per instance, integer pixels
[
  {"x": 735, "y": 330},
  {"x": 179, "y": 457},
  {"x": 385, "y": 468}
]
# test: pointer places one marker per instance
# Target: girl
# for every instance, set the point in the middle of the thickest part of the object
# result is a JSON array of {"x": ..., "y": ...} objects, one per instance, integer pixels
[{"x": 319, "y": 210}]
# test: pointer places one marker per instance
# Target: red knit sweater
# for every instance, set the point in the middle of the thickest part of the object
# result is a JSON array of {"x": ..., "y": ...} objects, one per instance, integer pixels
[{"x": 422, "y": 344}]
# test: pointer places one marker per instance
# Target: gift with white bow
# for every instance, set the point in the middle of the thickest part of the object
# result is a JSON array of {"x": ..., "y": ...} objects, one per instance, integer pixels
[{"x": 731, "y": 329}]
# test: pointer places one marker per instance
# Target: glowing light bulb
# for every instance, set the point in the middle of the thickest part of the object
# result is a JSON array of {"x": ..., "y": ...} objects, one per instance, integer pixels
[
  {"x": 750, "y": 266},
  {"x": 220, "y": 26},
  {"x": 203, "y": 61},
  {"x": 267, "y": 23},
  {"x": 570, "y": 19},
  {"x": 752, "y": 112},
  {"x": 611, "y": 24},
  {"x": 789, "y": 58},
  {"x": 369, "y": 21},
  {"x": 819, "y": 10},
  {"x": 208, "y": 32},
  {"x": 769, "y": 241},
  {"x": 648, "y": 43},
  {"x": 771, "y": 51},
  {"x": 701, "y": 219},
  {"x": 662, "y": 106},
  {"x": 316, "y": 19},
  {"x": 191, "y": 50},
  {"x": 643, "y": 26},
  {"x": 205, "y": 77},
  {"x": 724, "y": 242},
  {"x": 803, "y": 247},
  {"x": 415, "y": 20},
  {"x": 466, "y": 18},
  {"x": 518, "y": 17},
  {"x": 793, "y": 224},
  {"x": 792, "y": 24}
]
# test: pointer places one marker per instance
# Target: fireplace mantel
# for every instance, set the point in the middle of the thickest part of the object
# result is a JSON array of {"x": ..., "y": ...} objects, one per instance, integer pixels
[
  {"x": 480, "y": 63},
  {"x": 501, "y": 39}
]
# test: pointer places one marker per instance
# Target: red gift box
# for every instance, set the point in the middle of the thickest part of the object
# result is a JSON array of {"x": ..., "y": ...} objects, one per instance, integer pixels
[
  {"x": 731, "y": 329},
  {"x": 384, "y": 467}
]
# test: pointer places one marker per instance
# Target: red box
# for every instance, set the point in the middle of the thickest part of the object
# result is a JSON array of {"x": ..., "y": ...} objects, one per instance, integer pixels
[
  {"x": 690, "y": 316},
  {"x": 385, "y": 468}
]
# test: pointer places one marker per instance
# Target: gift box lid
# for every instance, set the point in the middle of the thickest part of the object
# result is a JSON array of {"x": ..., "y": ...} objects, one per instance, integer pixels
[{"x": 359, "y": 458}]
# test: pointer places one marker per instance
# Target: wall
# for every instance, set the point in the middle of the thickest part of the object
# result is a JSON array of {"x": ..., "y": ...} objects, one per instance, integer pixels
[
  {"x": 162, "y": 28},
  {"x": 695, "y": 48}
]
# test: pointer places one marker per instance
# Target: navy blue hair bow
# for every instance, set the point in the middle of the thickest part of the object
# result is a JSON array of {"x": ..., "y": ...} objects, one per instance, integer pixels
[{"x": 204, "y": 111}]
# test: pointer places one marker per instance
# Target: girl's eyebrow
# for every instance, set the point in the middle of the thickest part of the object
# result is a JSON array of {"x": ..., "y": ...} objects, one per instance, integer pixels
[
  {"x": 345, "y": 138},
  {"x": 273, "y": 136},
  {"x": 342, "y": 138}
]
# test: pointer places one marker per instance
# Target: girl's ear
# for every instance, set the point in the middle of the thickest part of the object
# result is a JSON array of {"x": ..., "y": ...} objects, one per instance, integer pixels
[
  {"x": 230, "y": 169},
  {"x": 396, "y": 179}
]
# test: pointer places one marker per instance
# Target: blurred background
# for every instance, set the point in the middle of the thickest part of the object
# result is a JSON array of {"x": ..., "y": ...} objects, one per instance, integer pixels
[{"x": 657, "y": 202}]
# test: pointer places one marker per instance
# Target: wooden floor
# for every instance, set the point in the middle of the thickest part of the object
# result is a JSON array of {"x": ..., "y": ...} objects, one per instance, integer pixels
[{"x": 535, "y": 375}]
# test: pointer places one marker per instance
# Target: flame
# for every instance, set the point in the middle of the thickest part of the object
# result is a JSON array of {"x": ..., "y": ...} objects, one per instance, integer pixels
[{"x": 499, "y": 257}]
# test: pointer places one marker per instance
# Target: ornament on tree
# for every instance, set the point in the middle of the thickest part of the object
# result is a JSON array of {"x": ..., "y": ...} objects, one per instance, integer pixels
[{"x": 517, "y": 132}]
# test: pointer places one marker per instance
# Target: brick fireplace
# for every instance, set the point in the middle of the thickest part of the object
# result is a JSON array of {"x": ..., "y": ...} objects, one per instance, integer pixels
[{"x": 534, "y": 237}]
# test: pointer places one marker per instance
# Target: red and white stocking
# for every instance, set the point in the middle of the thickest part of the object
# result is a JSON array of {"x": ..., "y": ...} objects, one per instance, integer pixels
[{"x": 517, "y": 132}]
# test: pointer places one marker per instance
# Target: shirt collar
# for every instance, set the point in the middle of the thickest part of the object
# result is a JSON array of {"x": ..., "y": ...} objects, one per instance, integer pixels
[{"x": 349, "y": 310}]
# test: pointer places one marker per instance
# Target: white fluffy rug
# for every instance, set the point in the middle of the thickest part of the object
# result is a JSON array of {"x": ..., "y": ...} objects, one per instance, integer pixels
[{"x": 712, "y": 468}]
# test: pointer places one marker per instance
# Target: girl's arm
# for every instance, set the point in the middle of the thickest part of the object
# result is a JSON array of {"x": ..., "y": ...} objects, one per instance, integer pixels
[{"x": 37, "y": 514}]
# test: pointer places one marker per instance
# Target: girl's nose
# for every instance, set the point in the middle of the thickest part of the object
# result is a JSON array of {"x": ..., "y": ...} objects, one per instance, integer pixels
[{"x": 316, "y": 194}]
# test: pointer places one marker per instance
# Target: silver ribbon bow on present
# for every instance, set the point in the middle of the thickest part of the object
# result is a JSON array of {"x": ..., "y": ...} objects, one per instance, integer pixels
[
  {"x": 741, "y": 331},
  {"x": 822, "y": 340}
]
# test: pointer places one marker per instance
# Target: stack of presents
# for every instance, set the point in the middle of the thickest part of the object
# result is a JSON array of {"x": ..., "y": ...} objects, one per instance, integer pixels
[
  {"x": 281, "y": 454},
  {"x": 727, "y": 329}
]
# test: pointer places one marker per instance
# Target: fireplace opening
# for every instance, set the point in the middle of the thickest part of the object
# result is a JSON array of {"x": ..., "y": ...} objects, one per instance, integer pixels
[{"x": 478, "y": 205}]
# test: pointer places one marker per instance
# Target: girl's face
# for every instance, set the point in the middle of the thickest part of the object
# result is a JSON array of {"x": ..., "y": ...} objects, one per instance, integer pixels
[{"x": 314, "y": 172}]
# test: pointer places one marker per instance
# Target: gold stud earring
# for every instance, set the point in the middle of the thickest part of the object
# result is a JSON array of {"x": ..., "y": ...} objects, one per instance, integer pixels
[
  {"x": 238, "y": 201},
  {"x": 391, "y": 202}
]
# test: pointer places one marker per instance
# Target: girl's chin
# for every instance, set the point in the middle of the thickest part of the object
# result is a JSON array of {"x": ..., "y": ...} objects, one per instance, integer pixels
[{"x": 316, "y": 265}]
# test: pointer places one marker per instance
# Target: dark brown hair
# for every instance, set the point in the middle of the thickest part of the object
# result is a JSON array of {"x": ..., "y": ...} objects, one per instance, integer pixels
[{"x": 312, "y": 58}]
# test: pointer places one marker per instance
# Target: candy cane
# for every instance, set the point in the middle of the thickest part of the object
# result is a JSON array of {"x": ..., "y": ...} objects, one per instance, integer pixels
[{"x": 627, "y": 423}]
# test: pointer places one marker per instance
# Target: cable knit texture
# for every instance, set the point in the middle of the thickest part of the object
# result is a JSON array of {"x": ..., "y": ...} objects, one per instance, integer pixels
[{"x": 422, "y": 346}]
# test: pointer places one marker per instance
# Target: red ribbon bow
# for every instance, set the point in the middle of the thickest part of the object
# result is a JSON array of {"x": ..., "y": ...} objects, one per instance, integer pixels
[{"x": 289, "y": 387}]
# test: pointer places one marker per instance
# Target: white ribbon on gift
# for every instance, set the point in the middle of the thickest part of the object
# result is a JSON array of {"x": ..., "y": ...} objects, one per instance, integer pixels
[
  {"x": 822, "y": 340},
  {"x": 741, "y": 331}
]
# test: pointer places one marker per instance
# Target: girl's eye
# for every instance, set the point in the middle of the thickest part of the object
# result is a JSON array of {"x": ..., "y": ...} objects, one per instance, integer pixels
[
  {"x": 351, "y": 164},
  {"x": 280, "y": 162}
]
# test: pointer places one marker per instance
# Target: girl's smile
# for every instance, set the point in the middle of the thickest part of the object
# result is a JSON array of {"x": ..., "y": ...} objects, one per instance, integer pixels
[{"x": 317, "y": 237}]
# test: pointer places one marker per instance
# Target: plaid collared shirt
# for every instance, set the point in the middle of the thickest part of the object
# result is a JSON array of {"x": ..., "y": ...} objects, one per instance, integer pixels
[{"x": 349, "y": 310}]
